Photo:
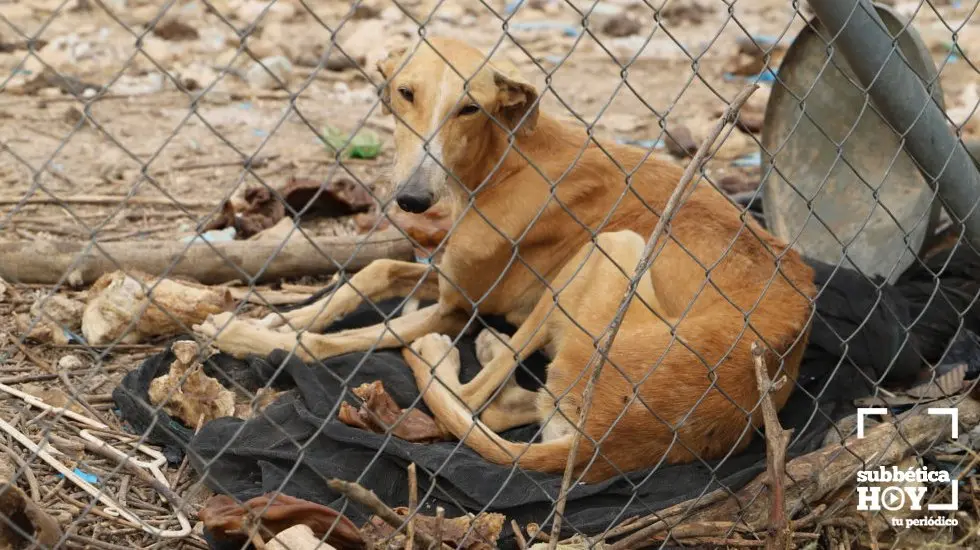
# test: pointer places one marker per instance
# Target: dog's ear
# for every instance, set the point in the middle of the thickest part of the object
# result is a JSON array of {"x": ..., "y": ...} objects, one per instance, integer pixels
[
  {"x": 387, "y": 67},
  {"x": 516, "y": 103}
]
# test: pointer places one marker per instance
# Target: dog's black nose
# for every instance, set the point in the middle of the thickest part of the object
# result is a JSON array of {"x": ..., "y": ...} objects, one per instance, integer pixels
[{"x": 416, "y": 204}]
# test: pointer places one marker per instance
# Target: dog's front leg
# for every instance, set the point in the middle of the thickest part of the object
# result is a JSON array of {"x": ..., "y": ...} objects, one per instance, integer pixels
[
  {"x": 238, "y": 337},
  {"x": 379, "y": 280}
]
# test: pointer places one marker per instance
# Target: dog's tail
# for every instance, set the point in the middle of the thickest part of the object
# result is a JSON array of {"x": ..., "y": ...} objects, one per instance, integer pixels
[{"x": 456, "y": 417}]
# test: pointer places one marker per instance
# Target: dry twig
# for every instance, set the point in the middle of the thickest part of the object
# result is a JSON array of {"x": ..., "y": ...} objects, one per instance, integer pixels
[
  {"x": 105, "y": 200},
  {"x": 777, "y": 439},
  {"x": 437, "y": 531},
  {"x": 521, "y": 541},
  {"x": 413, "y": 501},
  {"x": 368, "y": 499},
  {"x": 28, "y": 473},
  {"x": 659, "y": 519},
  {"x": 40, "y": 363}
]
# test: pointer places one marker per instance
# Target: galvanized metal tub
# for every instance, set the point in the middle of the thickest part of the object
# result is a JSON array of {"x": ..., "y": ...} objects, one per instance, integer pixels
[{"x": 836, "y": 182}]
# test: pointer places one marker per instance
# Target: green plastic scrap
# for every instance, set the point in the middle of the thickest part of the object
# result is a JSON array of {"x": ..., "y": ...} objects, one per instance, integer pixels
[{"x": 366, "y": 144}]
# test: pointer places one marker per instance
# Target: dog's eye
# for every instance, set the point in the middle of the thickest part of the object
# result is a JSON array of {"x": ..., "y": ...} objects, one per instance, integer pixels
[
  {"x": 407, "y": 94},
  {"x": 469, "y": 110}
]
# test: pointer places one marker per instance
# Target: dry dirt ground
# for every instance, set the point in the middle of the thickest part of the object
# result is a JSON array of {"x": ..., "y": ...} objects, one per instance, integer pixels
[{"x": 172, "y": 103}]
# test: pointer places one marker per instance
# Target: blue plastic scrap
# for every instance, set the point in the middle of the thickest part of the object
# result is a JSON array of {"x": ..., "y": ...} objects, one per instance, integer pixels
[
  {"x": 73, "y": 338},
  {"x": 767, "y": 76},
  {"x": 90, "y": 478},
  {"x": 755, "y": 159},
  {"x": 765, "y": 40},
  {"x": 645, "y": 143},
  {"x": 213, "y": 236},
  {"x": 566, "y": 29}
]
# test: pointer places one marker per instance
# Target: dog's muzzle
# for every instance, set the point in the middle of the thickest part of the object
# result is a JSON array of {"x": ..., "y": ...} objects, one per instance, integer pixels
[
  {"x": 414, "y": 195},
  {"x": 413, "y": 202}
]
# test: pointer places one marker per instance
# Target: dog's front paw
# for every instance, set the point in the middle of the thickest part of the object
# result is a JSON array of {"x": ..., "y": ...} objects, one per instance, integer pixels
[
  {"x": 438, "y": 351},
  {"x": 211, "y": 326},
  {"x": 432, "y": 346},
  {"x": 238, "y": 337},
  {"x": 274, "y": 320},
  {"x": 490, "y": 344}
]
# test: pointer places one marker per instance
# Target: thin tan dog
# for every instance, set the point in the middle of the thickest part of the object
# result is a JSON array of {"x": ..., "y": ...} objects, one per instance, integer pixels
[{"x": 680, "y": 382}]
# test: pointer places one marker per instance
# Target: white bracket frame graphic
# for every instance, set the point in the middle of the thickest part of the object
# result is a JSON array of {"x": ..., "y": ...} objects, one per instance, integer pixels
[{"x": 954, "y": 418}]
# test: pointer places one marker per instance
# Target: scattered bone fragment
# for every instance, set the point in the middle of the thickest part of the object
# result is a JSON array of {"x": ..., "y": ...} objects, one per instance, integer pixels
[
  {"x": 49, "y": 318},
  {"x": 187, "y": 393},
  {"x": 119, "y": 307}
]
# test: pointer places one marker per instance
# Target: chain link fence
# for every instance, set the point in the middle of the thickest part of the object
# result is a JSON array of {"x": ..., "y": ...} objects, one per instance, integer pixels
[{"x": 232, "y": 230}]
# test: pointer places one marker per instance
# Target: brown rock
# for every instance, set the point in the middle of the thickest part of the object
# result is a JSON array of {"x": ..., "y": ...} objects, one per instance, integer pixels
[
  {"x": 368, "y": 9},
  {"x": 68, "y": 85},
  {"x": 750, "y": 121},
  {"x": 746, "y": 65},
  {"x": 679, "y": 141},
  {"x": 175, "y": 30},
  {"x": 750, "y": 59},
  {"x": 620, "y": 25},
  {"x": 735, "y": 183},
  {"x": 686, "y": 11},
  {"x": 23, "y": 516}
]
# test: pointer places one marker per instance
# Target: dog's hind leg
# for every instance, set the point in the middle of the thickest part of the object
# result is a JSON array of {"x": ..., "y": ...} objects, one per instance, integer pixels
[
  {"x": 530, "y": 337},
  {"x": 435, "y": 364},
  {"x": 513, "y": 406},
  {"x": 379, "y": 280}
]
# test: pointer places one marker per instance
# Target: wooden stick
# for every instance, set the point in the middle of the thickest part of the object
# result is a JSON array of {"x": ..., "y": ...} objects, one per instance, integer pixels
[
  {"x": 364, "y": 497},
  {"x": 662, "y": 516},
  {"x": 413, "y": 502},
  {"x": 49, "y": 262},
  {"x": 105, "y": 200},
  {"x": 28, "y": 473},
  {"x": 40, "y": 363},
  {"x": 598, "y": 359},
  {"x": 521, "y": 541},
  {"x": 437, "y": 532},
  {"x": 777, "y": 439}
]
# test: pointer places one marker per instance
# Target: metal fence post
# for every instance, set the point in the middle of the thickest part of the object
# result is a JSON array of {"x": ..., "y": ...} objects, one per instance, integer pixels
[{"x": 903, "y": 101}]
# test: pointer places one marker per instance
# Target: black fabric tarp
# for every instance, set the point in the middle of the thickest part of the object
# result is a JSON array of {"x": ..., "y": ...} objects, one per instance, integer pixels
[{"x": 859, "y": 341}]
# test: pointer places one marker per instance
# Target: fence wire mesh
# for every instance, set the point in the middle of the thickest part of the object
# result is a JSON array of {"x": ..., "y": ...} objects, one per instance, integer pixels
[{"x": 266, "y": 263}]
